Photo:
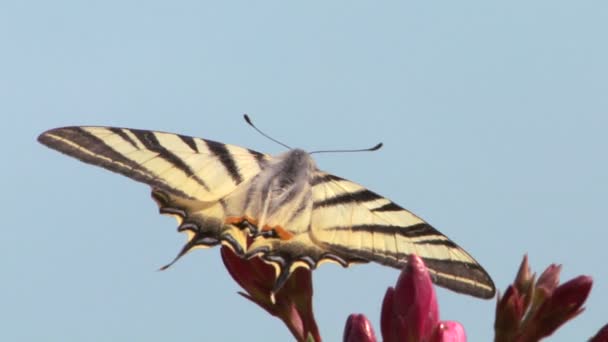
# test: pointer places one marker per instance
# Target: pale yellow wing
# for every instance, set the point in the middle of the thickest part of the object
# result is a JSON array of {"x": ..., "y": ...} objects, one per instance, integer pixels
[
  {"x": 349, "y": 219},
  {"x": 179, "y": 165},
  {"x": 189, "y": 176}
]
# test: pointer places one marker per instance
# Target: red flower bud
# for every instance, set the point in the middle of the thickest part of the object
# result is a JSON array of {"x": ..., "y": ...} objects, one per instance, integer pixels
[
  {"x": 509, "y": 312},
  {"x": 409, "y": 311},
  {"x": 565, "y": 303},
  {"x": 358, "y": 329},
  {"x": 601, "y": 336}
]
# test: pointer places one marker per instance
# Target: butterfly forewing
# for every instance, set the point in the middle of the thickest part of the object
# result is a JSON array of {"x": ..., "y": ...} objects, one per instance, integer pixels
[
  {"x": 188, "y": 167},
  {"x": 351, "y": 220}
]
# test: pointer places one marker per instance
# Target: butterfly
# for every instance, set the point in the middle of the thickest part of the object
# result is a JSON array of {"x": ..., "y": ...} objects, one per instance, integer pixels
[{"x": 281, "y": 208}]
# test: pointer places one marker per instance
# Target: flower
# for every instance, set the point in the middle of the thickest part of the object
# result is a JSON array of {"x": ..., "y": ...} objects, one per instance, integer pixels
[
  {"x": 530, "y": 311},
  {"x": 564, "y": 303},
  {"x": 358, "y": 329},
  {"x": 292, "y": 303},
  {"x": 410, "y": 311},
  {"x": 510, "y": 310}
]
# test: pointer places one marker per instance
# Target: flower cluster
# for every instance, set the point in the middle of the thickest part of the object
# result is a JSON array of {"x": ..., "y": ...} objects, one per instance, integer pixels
[
  {"x": 533, "y": 309},
  {"x": 409, "y": 312},
  {"x": 529, "y": 310}
]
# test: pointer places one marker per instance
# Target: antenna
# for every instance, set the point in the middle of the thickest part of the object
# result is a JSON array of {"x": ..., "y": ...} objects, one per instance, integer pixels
[
  {"x": 248, "y": 120},
  {"x": 375, "y": 148}
]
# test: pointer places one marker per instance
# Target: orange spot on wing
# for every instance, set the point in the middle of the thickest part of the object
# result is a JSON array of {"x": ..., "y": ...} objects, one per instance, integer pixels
[
  {"x": 240, "y": 219},
  {"x": 281, "y": 232}
]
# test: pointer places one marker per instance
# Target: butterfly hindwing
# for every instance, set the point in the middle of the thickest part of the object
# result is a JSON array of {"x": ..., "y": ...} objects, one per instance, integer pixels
[
  {"x": 352, "y": 220},
  {"x": 202, "y": 222}
]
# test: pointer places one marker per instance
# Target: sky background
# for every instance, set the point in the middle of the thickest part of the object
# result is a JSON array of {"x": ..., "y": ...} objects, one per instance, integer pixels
[{"x": 493, "y": 115}]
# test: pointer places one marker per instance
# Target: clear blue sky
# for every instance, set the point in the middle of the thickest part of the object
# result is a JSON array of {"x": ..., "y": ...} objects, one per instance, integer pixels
[{"x": 494, "y": 118}]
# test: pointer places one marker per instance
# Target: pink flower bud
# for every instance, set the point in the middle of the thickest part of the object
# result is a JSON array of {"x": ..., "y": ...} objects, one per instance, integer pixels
[
  {"x": 449, "y": 331},
  {"x": 548, "y": 280},
  {"x": 409, "y": 311},
  {"x": 389, "y": 323},
  {"x": 358, "y": 329},
  {"x": 524, "y": 282}
]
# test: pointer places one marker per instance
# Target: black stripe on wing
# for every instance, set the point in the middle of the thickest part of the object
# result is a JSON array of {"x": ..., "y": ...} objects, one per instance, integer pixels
[
  {"x": 413, "y": 231},
  {"x": 225, "y": 157},
  {"x": 149, "y": 140},
  {"x": 388, "y": 207},
  {"x": 121, "y": 133},
  {"x": 321, "y": 178},
  {"x": 189, "y": 141},
  {"x": 438, "y": 242},
  {"x": 80, "y": 144},
  {"x": 259, "y": 158},
  {"x": 360, "y": 196}
]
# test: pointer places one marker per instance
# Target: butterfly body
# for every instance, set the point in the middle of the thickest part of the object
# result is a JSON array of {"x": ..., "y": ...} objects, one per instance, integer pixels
[
  {"x": 277, "y": 195},
  {"x": 281, "y": 208}
]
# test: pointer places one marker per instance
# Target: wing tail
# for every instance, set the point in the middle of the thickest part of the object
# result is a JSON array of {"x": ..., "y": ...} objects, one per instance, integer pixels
[{"x": 202, "y": 222}]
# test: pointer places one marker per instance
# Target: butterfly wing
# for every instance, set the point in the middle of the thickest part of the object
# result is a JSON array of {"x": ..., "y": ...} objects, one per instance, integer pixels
[
  {"x": 207, "y": 185},
  {"x": 349, "y": 219},
  {"x": 180, "y": 165},
  {"x": 189, "y": 176}
]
